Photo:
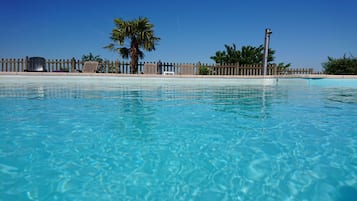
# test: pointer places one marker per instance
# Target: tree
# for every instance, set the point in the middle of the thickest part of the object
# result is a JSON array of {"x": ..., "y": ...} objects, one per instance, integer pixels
[
  {"x": 247, "y": 55},
  {"x": 341, "y": 66},
  {"x": 139, "y": 33},
  {"x": 219, "y": 58}
]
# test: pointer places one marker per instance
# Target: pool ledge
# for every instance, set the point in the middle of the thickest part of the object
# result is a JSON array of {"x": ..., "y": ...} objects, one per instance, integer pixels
[{"x": 175, "y": 76}]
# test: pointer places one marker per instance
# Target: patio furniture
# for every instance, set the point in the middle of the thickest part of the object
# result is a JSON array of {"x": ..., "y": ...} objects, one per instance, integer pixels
[{"x": 90, "y": 67}]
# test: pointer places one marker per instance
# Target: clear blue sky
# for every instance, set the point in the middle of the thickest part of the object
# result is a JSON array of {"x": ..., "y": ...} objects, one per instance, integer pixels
[{"x": 305, "y": 32}]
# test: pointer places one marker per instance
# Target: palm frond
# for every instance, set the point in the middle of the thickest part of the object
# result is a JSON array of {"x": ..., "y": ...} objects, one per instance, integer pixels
[{"x": 124, "y": 52}]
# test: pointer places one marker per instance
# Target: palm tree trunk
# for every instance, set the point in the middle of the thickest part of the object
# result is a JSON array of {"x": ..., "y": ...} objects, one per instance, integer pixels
[
  {"x": 134, "y": 58},
  {"x": 134, "y": 65}
]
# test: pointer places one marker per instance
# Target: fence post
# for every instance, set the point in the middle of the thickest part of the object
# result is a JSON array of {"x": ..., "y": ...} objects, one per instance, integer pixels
[
  {"x": 116, "y": 66},
  {"x": 9, "y": 63},
  {"x": 26, "y": 63},
  {"x": 197, "y": 71},
  {"x": 12, "y": 65},
  {"x": 68, "y": 65},
  {"x": 105, "y": 67},
  {"x": 2, "y": 65},
  {"x": 73, "y": 65},
  {"x": 79, "y": 65},
  {"x": 17, "y": 65},
  {"x": 6, "y": 65},
  {"x": 50, "y": 65},
  {"x": 159, "y": 69},
  {"x": 21, "y": 63}
]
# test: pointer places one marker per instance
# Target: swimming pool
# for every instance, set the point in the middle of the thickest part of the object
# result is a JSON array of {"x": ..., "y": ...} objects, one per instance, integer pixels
[{"x": 110, "y": 138}]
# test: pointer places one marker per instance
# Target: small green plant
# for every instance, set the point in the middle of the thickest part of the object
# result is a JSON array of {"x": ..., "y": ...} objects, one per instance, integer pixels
[{"x": 204, "y": 70}]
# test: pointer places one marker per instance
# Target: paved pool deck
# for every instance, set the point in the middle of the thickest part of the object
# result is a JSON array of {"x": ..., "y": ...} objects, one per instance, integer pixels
[{"x": 177, "y": 76}]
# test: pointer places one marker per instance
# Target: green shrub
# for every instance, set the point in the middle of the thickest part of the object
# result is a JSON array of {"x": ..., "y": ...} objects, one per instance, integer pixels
[
  {"x": 341, "y": 66},
  {"x": 204, "y": 70}
]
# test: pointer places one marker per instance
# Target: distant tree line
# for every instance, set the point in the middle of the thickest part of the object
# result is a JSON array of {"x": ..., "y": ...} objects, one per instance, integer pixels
[{"x": 341, "y": 66}]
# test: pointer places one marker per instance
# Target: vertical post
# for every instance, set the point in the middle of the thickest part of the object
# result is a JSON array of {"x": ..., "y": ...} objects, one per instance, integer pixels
[
  {"x": 236, "y": 70},
  {"x": 117, "y": 66},
  {"x": 27, "y": 63},
  {"x": 2, "y": 65},
  {"x": 197, "y": 71},
  {"x": 73, "y": 65},
  {"x": 159, "y": 67},
  {"x": 17, "y": 65},
  {"x": 56, "y": 64},
  {"x": 266, "y": 50}
]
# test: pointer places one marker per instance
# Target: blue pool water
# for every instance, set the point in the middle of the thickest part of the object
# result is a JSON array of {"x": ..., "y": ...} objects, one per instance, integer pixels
[{"x": 110, "y": 138}]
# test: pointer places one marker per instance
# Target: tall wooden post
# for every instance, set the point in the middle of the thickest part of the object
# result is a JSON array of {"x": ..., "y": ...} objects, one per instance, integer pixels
[{"x": 266, "y": 50}]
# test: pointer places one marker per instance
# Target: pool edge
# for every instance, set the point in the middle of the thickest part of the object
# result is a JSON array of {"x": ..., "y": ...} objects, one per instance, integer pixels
[{"x": 175, "y": 76}]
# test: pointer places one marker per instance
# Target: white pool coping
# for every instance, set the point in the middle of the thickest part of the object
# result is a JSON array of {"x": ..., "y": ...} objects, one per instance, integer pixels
[{"x": 176, "y": 75}]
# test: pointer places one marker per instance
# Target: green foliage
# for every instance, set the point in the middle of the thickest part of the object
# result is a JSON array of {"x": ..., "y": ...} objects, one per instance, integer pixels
[
  {"x": 204, "y": 70},
  {"x": 91, "y": 57},
  {"x": 246, "y": 55},
  {"x": 140, "y": 35},
  {"x": 283, "y": 66},
  {"x": 341, "y": 66},
  {"x": 220, "y": 57}
]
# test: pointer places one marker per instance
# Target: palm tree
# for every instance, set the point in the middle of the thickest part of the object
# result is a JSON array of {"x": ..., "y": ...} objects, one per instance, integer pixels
[{"x": 140, "y": 34}]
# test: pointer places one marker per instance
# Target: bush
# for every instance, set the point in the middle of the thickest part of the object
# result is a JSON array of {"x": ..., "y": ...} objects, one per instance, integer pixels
[
  {"x": 204, "y": 70},
  {"x": 341, "y": 66}
]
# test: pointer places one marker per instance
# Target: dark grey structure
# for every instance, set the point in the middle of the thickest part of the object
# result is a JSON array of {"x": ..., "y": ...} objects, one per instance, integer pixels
[{"x": 36, "y": 64}]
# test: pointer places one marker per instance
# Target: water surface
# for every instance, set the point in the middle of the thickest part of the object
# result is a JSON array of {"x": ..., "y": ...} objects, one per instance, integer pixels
[{"x": 90, "y": 138}]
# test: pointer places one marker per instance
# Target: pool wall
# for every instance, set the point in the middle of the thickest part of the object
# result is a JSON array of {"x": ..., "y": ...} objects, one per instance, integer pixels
[{"x": 298, "y": 80}]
